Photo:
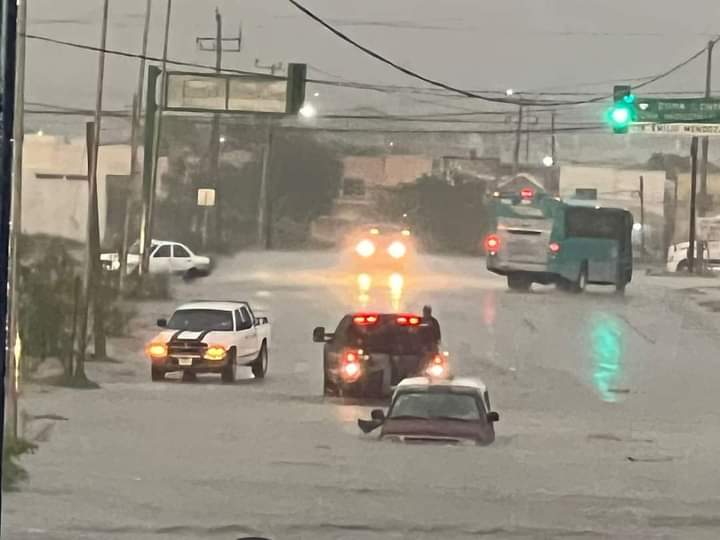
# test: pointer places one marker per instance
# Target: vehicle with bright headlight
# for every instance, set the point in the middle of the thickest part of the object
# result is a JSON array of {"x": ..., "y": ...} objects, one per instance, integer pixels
[
  {"x": 381, "y": 247},
  {"x": 370, "y": 353},
  {"x": 210, "y": 337},
  {"x": 447, "y": 412}
]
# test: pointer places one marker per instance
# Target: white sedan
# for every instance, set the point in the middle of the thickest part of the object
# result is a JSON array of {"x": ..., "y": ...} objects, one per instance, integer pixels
[{"x": 165, "y": 258}]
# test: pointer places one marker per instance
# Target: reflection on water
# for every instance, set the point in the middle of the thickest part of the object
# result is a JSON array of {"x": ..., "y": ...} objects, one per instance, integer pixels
[
  {"x": 607, "y": 351},
  {"x": 396, "y": 283},
  {"x": 364, "y": 282},
  {"x": 489, "y": 303},
  {"x": 380, "y": 291}
]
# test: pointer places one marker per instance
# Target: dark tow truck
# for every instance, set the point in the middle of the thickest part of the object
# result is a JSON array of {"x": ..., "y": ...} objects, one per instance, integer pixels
[{"x": 370, "y": 353}]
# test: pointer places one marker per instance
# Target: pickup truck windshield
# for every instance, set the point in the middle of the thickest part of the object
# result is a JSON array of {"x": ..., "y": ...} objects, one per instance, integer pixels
[{"x": 198, "y": 320}]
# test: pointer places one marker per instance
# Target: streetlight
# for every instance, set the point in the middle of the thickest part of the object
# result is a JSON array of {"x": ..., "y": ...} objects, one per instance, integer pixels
[
  {"x": 308, "y": 110},
  {"x": 548, "y": 161},
  {"x": 509, "y": 92},
  {"x": 222, "y": 139}
]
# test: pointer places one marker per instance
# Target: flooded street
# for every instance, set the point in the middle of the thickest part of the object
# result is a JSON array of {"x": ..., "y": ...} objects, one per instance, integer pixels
[{"x": 607, "y": 423}]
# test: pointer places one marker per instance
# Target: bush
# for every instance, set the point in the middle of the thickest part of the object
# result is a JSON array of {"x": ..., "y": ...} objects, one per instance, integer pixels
[{"x": 13, "y": 472}]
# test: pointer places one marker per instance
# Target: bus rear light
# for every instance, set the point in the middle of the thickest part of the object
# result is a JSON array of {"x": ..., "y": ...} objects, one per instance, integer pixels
[
  {"x": 492, "y": 243},
  {"x": 554, "y": 247}
]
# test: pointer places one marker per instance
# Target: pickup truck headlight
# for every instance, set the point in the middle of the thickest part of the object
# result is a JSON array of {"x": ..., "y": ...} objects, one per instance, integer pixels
[
  {"x": 157, "y": 350},
  {"x": 215, "y": 352}
]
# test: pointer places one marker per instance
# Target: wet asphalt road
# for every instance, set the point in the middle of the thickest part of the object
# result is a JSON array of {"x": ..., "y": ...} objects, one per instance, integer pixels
[{"x": 608, "y": 429}]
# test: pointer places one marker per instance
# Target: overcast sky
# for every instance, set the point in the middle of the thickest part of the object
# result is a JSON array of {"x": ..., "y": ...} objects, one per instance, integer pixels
[{"x": 488, "y": 44}]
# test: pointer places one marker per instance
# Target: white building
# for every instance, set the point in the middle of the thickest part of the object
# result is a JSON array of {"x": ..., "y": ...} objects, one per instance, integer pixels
[{"x": 55, "y": 188}]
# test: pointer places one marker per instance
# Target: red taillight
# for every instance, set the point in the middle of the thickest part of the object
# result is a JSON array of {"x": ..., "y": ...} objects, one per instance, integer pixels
[
  {"x": 408, "y": 320},
  {"x": 554, "y": 247},
  {"x": 492, "y": 243},
  {"x": 364, "y": 319},
  {"x": 527, "y": 193},
  {"x": 351, "y": 368}
]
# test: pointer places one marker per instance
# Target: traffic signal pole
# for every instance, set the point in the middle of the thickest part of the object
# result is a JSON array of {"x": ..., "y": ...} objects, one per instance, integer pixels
[
  {"x": 693, "y": 193},
  {"x": 8, "y": 32}
]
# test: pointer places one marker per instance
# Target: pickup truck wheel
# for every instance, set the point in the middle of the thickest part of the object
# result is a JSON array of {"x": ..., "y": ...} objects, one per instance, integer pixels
[
  {"x": 260, "y": 365},
  {"x": 229, "y": 371},
  {"x": 156, "y": 374}
]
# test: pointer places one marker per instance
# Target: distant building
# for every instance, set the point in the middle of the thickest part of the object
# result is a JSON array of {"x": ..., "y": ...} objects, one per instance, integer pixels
[{"x": 55, "y": 186}]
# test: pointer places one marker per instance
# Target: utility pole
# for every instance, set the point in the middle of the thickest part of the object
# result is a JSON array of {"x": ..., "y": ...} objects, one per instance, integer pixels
[
  {"x": 642, "y": 218},
  {"x": 219, "y": 45},
  {"x": 92, "y": 254},
  {"x": 527, "y": 138},
  {"x": 16, "y": 230},
  {"x": 151, "y": 162},
  {"x": 8, "y": 35},
  {"x": 263, "y": 199},
  {"x": 134, "y": 140},
  {"x": 552, "y": 138},
  {"x": 518, "y": 137},
  {"x": 704, "y": 202},
  {"x": 214, "y": 147},
  {"x": 693, "y": 193}
]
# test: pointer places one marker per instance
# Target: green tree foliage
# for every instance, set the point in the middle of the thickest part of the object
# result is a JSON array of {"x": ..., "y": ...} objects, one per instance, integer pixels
[
  {"x": 444, "y": 217},
  {"x": 304, "y": 179}
]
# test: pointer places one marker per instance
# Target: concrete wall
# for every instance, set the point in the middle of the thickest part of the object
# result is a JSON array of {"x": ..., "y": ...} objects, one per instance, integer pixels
[
  {"x": 52, "y": 201},
  {"x": 616, "y": 186}
]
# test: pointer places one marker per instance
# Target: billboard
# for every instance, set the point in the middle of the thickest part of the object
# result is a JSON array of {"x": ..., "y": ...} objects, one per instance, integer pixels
[{"x": 225, "y": 93}]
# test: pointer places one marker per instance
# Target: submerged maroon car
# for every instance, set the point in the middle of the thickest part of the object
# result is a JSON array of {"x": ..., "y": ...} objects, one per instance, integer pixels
[{"x": 424, "y": 410}]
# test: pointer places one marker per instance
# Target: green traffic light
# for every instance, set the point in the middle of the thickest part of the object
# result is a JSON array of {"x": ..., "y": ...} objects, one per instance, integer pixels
[{"x": 620, "y": 116}]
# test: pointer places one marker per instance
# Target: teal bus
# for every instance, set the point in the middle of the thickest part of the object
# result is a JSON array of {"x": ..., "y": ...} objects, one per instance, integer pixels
[{"x": 542, "y": 239}]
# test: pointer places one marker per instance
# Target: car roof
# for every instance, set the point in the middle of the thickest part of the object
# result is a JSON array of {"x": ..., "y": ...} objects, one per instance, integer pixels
[
  {"x": 426, "y": 382},
  {"x": 219, "y": 305}
]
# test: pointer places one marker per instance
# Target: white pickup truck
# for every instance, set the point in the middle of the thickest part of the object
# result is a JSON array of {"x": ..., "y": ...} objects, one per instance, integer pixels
[
  {"x": 210, "y": 337},
  {"x": 677, "y": 257},
  {"x": 166, "y": 257}
]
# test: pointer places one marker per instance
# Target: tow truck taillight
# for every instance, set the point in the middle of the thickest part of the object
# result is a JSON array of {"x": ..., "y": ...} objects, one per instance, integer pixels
[
  {"x": 492, "y": 243},
  {"x": 364, "y": 319},
  {"x": 554, "y": 247},
  {"x": 438, "y": 367},
  {"x": 408, "y": 320},
  {"x": 351, "y": 367}
]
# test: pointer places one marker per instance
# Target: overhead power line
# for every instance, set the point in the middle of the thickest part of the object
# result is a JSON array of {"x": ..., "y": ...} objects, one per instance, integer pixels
[{"x": 467, "y": 93}]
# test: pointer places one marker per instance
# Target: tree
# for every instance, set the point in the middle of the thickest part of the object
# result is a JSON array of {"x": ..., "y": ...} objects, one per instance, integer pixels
[{"x": 304, "y": 180}]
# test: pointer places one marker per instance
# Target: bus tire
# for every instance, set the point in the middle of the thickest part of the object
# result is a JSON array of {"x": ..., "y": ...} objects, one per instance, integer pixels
[
  {"x": 683, "y": 266},
  {"x": 518, "y": 282},
  {"x": 581, "y": 282}
]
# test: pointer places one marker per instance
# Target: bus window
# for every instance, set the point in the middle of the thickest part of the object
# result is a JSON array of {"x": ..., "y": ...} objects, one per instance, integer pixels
[{"x": 593, "y": 223}]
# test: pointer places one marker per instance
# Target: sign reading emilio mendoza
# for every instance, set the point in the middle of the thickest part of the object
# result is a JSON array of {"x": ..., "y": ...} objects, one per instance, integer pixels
[{"x": 676, "y": 129}]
